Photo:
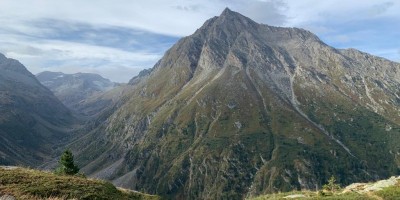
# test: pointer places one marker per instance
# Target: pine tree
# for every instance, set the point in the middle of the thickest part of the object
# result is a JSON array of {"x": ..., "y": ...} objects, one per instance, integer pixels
[
  {"x": 332, "y": 186},
  {"x": 67, "y": 165}
]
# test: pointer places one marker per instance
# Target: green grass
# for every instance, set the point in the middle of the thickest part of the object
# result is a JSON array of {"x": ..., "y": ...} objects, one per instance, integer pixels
[
  {"x": 316, "y": 196},
  {"x": 33, "y": 184},
  {"x": 388, "y": 193}
]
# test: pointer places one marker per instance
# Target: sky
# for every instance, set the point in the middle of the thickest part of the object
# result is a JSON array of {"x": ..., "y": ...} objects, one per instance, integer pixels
[{"x": 119, "y": 38}]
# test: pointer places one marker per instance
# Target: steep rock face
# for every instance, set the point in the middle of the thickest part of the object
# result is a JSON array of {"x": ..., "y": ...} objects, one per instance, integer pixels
[
  {"x": 142, "y": 75},
  {"x": 240, "y": 109},
  {"x": 33, "y": 121},
  {"x": 78, "y": 90}
]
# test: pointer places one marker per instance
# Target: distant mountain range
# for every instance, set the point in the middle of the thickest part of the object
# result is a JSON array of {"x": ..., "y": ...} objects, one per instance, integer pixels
[
  {"x": 235, "y": 110},
  {"x": 33, "y": 122},
  {"x": 76, "y": 90}
]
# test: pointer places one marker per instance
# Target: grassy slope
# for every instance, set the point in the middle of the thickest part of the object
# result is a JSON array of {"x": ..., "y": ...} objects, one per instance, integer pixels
[
  {"x": 195, "y": 133},
  {"x": 313, "y": 195},
  {"x": 33, "y": 184},
  {"x": 388, "y": 193}
]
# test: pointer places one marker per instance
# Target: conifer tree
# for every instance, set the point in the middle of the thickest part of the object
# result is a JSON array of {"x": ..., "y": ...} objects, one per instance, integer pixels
[
  {"x": 332, "y": 185},
  {"x": 67, "y": 165}
]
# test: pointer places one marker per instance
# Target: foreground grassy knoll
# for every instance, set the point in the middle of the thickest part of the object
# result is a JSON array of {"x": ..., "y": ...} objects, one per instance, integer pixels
[
  {"x": 382, "y": 190},
  {"x": 34, "y": 185}
]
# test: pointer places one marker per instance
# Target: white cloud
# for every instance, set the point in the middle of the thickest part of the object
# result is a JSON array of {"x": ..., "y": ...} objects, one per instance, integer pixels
[
  {"x": 181, "y": 18},
  {"x": 311, "y": 11},
  {"x": 155, "y": 16},
  {"x": 70, "y": 57},
  {"x": 108, "y": 45},
  {"x": 175, "y": 17}
]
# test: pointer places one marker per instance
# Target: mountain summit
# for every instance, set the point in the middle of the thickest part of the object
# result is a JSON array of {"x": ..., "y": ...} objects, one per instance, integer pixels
[{"x": 239, "y": 109}]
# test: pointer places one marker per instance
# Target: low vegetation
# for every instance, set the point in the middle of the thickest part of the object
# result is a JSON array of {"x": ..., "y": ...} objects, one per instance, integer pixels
[
  {"x": 381, "y": 190},
  {"x": 309, "y": 195},
  {"x": 31, "y": 184}
]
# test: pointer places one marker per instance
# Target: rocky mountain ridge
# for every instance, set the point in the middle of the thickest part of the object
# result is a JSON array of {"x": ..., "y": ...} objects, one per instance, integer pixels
[
  {"x": 235, "y": 110},
  {"x": 241, "y": 109},
  {"x": 33, "y": 121}
]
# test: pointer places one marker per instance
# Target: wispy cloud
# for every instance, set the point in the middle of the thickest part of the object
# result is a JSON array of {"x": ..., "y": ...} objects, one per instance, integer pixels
[
  {"x": 55, "y": 45},
  {"x": 123, "y": 36},
  {"x": 380, "y": 9}
]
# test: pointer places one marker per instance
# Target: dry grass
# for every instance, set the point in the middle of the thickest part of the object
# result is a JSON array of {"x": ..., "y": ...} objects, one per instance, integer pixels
[
  {"x": 388, "y": 193},
  {"x": 34, "y": 185}
]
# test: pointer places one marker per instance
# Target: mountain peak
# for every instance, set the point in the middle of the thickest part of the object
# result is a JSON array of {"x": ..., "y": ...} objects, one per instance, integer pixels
[
  {"x": 10, "y": 64},
  {"x": 227, "y": 11},
  {"x": 232, "y": 22},
  {"x": 2, "y": 57},
  {"x": 229, "y": 14},
  {"x": 248, "y": 82}
]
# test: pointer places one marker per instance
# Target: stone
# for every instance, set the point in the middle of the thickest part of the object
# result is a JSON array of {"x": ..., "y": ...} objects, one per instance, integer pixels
[
  {"x": 294, "y": 196},
  {"x": 7, "y": 197}
]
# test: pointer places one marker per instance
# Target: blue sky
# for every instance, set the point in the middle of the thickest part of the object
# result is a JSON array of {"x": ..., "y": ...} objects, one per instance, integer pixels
[{"x": 118, "y": 38}]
